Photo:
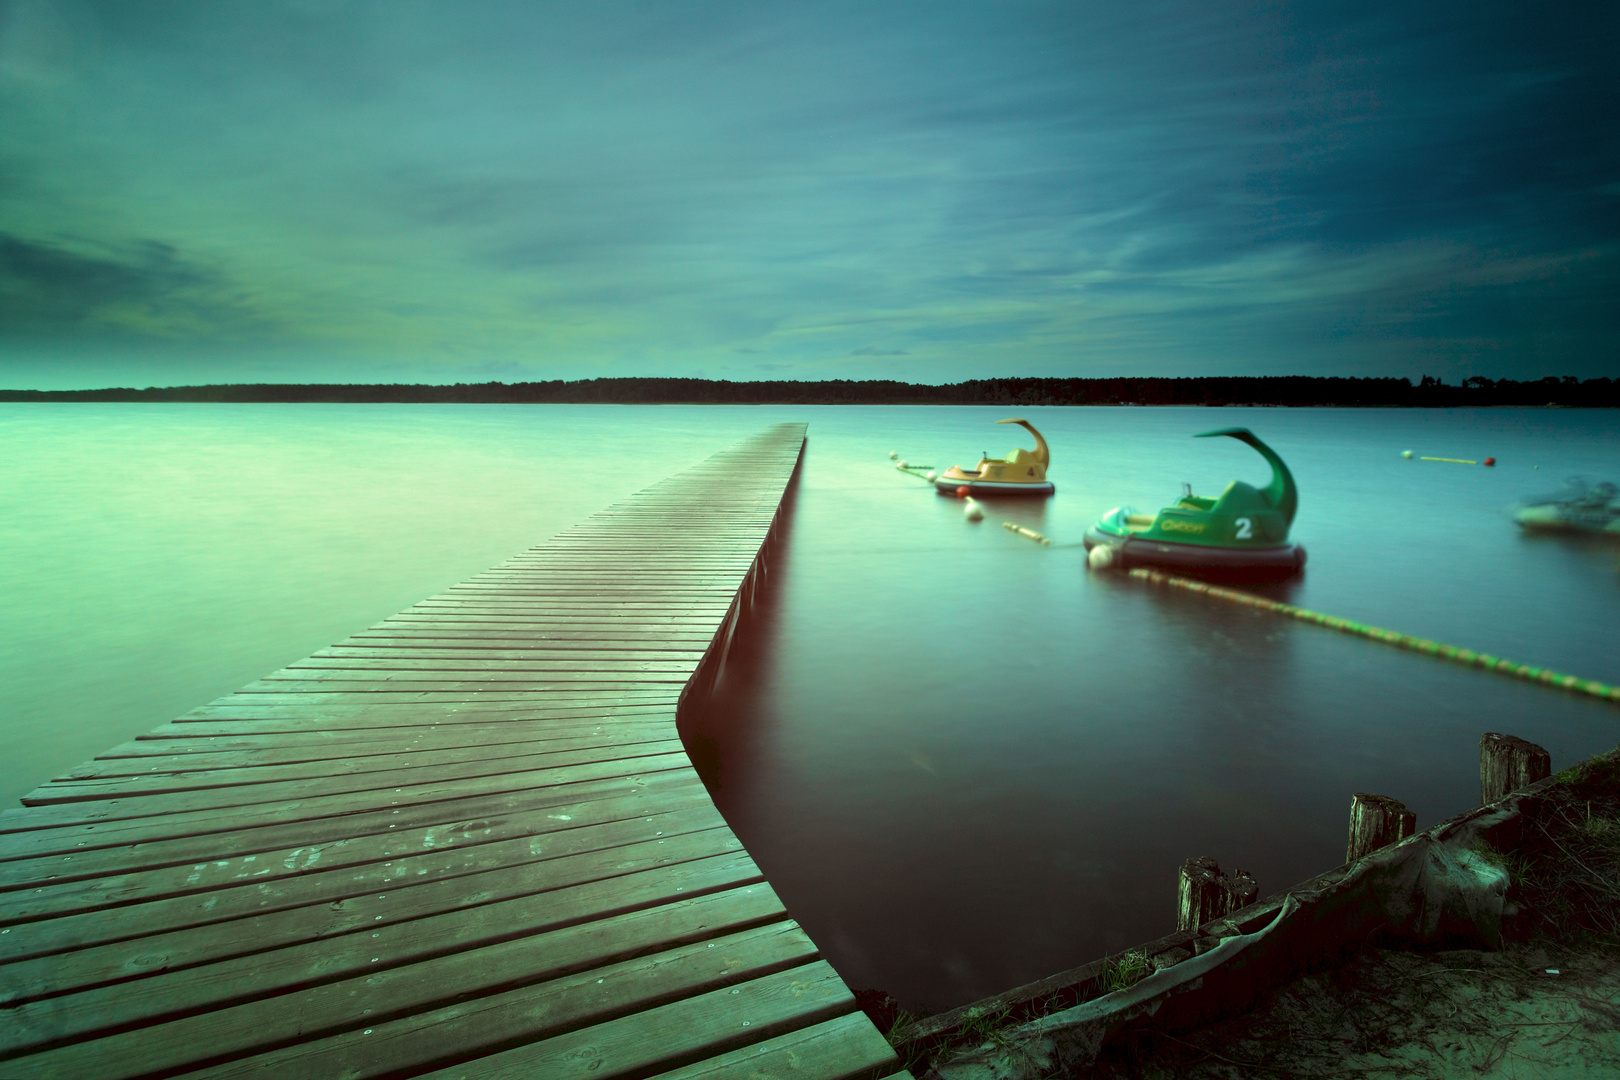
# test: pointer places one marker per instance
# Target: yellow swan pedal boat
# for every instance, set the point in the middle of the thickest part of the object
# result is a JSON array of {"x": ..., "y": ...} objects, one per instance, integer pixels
[{"x": 1021, "y": 472}]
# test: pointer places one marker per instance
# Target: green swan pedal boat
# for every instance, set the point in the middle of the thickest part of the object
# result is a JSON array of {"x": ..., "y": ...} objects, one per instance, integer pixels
[{"x": 1242, "y": 535}]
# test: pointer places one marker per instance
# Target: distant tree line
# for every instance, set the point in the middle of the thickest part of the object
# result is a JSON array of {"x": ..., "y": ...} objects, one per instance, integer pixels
[{"x": 1296, "y": 390}]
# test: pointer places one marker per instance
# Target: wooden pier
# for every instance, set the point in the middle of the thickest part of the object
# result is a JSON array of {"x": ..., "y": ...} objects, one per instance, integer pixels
[{"x": 465, "y": 842}]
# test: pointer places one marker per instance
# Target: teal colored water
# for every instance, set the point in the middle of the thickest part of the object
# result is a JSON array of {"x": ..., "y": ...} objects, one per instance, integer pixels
[{"x": 962, "y": 760}]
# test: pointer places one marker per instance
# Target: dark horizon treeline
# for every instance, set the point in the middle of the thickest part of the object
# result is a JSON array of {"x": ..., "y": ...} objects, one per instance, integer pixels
[{"x": 1296, "y": 390}]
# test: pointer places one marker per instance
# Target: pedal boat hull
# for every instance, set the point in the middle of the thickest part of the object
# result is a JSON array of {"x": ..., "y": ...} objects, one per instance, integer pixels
[
  {"x": 948, "y": 485},
  {"x": 1201, "y": 560}
]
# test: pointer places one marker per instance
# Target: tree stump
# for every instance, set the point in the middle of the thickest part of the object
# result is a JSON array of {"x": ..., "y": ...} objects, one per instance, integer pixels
[
  {"x": 1204, "y": 893},
  {"x": 1509, "y": 764},
  {"x": 1376, "y": 821}
]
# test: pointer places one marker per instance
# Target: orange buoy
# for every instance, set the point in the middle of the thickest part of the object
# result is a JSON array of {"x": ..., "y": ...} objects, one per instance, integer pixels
[
  {"x": 962, "y": 492},
  {"x": 1490, "y": 461}
]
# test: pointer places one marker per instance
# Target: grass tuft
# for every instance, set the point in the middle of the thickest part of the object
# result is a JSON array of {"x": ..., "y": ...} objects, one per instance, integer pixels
[{"x": 1126, "y": 972}]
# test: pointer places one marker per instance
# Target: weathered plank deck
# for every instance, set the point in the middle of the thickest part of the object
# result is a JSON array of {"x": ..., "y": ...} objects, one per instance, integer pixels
[{"x": 464, "y": 842}]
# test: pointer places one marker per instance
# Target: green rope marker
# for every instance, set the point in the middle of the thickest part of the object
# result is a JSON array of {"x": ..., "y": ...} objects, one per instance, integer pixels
[{"x": 1589, "y": 687}]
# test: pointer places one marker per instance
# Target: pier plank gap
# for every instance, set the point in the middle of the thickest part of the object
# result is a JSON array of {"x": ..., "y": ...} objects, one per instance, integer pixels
[{"x": 466, "y": 841}]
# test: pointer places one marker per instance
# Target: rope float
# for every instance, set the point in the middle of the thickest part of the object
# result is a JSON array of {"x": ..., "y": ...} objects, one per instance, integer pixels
[
  {"x": 1013, "y": 526},
  {"x": 1454, "y": 460},
  {"x": 1589, "y": 687},
  {"x": 912, "y": 470}
]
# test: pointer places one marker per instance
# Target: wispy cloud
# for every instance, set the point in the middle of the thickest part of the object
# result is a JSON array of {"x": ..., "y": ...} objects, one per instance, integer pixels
[
  {"x": 944, "y": 191},
  {"x": 72, "y": 287}
]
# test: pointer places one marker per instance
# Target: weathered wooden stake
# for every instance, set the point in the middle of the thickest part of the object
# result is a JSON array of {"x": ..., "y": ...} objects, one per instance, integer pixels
[
  {"x": 1509, "y": 764},
  {"x": 1199, "y": 896},
  {"x": 1204, "y": 893},
  {"x": 1376, "y": 821},
  {"x": 1241, "y": 890}
]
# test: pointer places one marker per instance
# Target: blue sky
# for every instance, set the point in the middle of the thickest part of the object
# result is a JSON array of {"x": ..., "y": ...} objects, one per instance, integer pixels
[{"x": 299, "y": 190}]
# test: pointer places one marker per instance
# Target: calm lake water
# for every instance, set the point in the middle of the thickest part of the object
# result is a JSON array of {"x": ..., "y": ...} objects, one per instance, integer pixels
[{"x": 962, "y": 760}]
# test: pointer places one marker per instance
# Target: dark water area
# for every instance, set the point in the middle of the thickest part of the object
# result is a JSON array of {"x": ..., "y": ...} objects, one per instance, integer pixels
[
  {"x": 966, "y": 763},
  {"x": 963, "y": 760}
]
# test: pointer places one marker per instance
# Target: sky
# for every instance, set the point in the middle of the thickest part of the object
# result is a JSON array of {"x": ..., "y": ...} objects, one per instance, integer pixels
[{"x": 212, "y": 191}]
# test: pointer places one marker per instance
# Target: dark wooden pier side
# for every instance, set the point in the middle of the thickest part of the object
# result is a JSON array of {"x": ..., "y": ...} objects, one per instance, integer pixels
[{"x": 465, "y": 842}]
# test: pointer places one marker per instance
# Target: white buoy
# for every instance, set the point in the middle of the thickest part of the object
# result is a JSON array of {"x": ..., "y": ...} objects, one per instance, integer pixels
[
  {"x": 972, "y": 510},
  {"x": 900, "y": 464},
  {"x": 1100, "y": 557},
  {"x": 893, "y": 454},
  {"x": 1406, "y": 453},
  {"x": 932, "y": 475}
]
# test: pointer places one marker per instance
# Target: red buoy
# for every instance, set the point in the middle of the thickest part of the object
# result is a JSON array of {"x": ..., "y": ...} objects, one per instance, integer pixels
[
  {"x": 1490, "y": 461},
  {"x": 962, "y": 492}
]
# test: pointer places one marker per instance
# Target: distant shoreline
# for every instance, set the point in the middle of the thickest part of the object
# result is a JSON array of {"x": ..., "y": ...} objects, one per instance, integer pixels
[{"x": 1288, "y": 391}]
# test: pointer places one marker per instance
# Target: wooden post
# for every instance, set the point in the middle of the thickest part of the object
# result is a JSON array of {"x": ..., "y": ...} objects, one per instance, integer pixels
[
  {"x": 1204, "y": 893},
  {"x": 1509, "y": 764},
  {"x": 1376, "y": 821},
  {"x": 1200, "y": 897},
  {"x": 1241, "y": 890}
]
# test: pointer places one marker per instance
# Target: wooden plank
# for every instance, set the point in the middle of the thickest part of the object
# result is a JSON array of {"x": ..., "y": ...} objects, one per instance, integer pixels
[
  {"x": 643, "y": 1038},
  {"x": 648, "y": 621},
  {"x": 167, "y": 793},
  {"x": 230, "y": 749},
  {"x": 575, "y": 634},
  {"x": 145, "y": 819},
  {"x": 848, "y": 1048},
  {"x": 264, "y": 881},
  {"x": 630, "y": 604},
  {"x": 120, "y": 944},
  {"x": 199, "y": 771},
  {"x": 628, "y": 594},
  {"x": 562, "y": 696},
  {"x": 423, "y": 649},
  {"x": 521, "y": 709},
  {"x": 572, "y": 570},
  {"x": 674, "y": 1034},
  {"x": 257, "y": 834},
  {"x": 336, "y": 680},
  {"x": 691, "y": 598},
  {"x": 377, "y": 720},
  {"x": 470, "y": 693},
  {"x": 386, "y": 689},
  {"x": 395, "y": 660},
  {"x": 392, "y": 970}
]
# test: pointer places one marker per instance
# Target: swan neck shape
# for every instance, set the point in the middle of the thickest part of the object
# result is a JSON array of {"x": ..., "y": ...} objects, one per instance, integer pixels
[
  {"x": 1281, "y": 493},
  {"x": 1042, "y": 454}
]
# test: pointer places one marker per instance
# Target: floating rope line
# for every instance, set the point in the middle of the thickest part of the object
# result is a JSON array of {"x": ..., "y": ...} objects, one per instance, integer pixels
[
  {"x": 1589, "y": 687},
  {"x": 1453, "y": 460}
]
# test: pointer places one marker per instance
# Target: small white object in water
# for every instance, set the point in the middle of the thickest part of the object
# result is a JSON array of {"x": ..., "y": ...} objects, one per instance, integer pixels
[
  {"x": 973, "y": 511},
  {"x": 1100, "y": 557},
  {"x": 893, "y": 454},
  {"x": 1406, "y": 453},
  {"x": 932, "y": 475},
  {"x": 900, "y": 464}
]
